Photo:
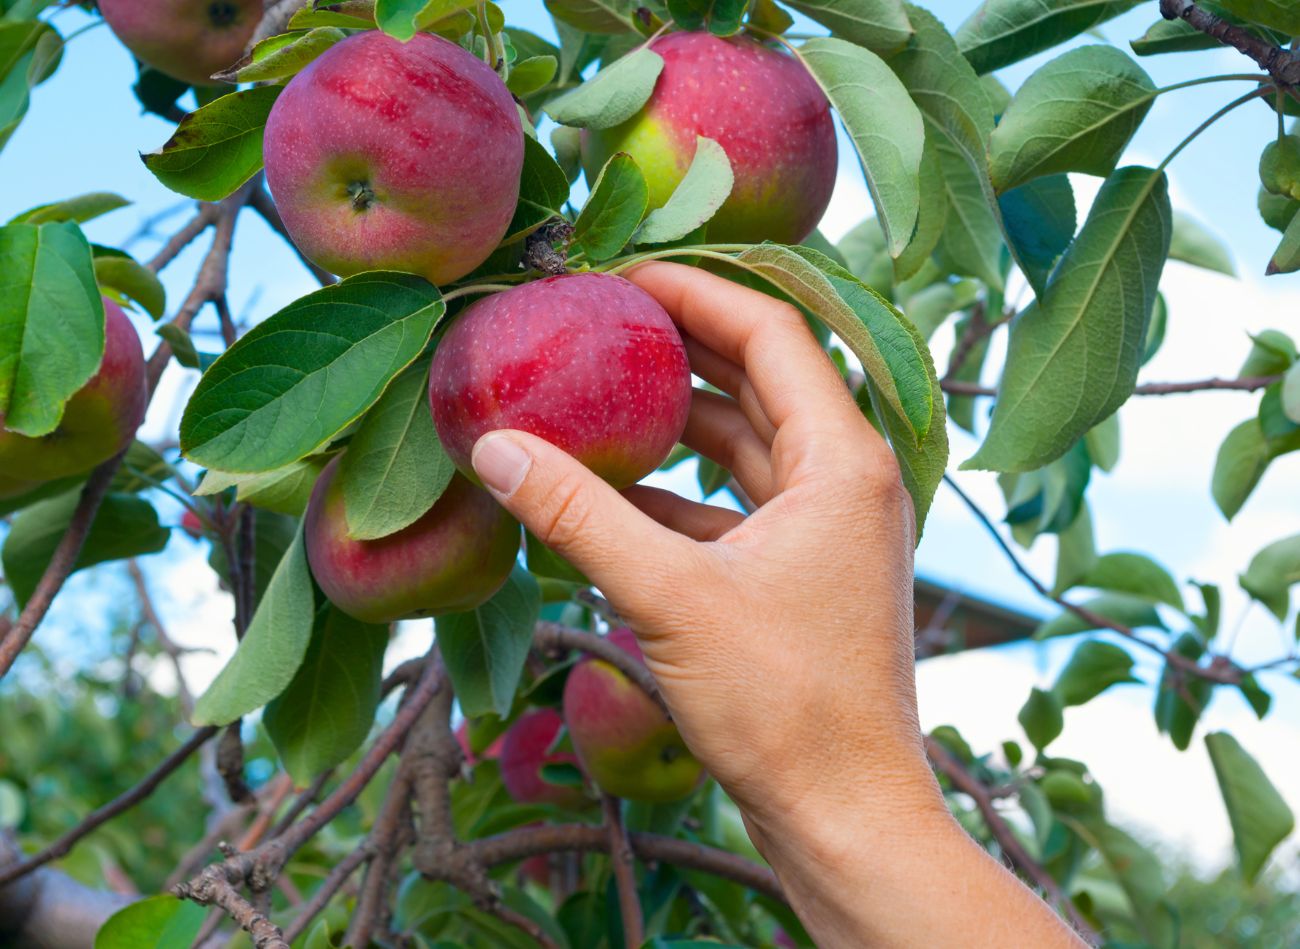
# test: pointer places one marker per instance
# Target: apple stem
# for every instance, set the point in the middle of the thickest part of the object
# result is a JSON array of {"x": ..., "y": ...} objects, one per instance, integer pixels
[{"x": 361, "y": 195}]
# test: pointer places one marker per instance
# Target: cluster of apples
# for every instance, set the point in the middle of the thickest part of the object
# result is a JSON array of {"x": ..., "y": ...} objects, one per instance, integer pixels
[{"x": 622, "y": 740}]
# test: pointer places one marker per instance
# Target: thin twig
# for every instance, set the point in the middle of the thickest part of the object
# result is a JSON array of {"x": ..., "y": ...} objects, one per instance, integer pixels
[
  {"x": 1243, "y": 384},
  {"x": 204, "y": 218},
  {"x": 968, "y": 784},
  {"x": 330, "y": 886},
  {"x": 165, "y": 642},
  {"x": 102, "y": 815},
  {"x": 555, "y": 638},
  {"x": 620, "y": 857}
]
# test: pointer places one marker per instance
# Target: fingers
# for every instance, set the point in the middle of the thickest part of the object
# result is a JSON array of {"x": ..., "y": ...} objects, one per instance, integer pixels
[
  {"x": 719, "y": 430},
  {"x": 580, "y": 516},
  {"x": 790, "y": 373},
  {"x": 702, "y": 522},
  {"x": 730, "y": 378}
]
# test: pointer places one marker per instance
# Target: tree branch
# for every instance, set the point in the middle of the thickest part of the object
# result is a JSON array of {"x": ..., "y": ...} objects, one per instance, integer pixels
[
  {"x": 103, "y": 815},
  {"x": 964, "y": 781},
  {"x": 49, "y": 909},
  {"x": 620, "y": 856},
  {"x": 1243, "y": 384},
  {"x": 1282, "y": 65},
  {"x": 557, "y": 638}
]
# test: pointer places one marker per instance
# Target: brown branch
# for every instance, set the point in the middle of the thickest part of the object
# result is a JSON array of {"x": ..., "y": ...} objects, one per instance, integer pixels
[
  {"x": 61, "y": 564},
  {"x": 327, "y": 890},
  {"x": 620, "y": 856},
  {"x": 1282, "y": 65},
  {"x": 213, "y": 889},
  {"x": 223, "y": 828},
  {"x": 261, "y": 203},
  {"x": 1221, "y": 669},
  {"x": 230, "y": 763},
  {"x": 557, "y": 638},
  {"x": 165, "y": 642},
  {"x": 964, "y": 781},
  {"x": 1243, "y": 384},
  {"x": 49, "y": 909},
  {"x": 525, "y": 842},
  {"x": 302, "y": 802},
  {"x": 102, "y": 815},
  {"x": 202, "y": 220},
  {"x": 390, "y": 833}
]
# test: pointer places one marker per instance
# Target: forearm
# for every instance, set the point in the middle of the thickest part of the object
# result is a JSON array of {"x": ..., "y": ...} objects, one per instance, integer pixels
[{"x": 900, "y": 872}]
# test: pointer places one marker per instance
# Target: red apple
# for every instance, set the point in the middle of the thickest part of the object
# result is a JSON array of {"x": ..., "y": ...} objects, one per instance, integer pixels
[
  {"x": 526, "y": 748},
  {"x": 187, "y": 39},
  {"x": 764, "y": 109},
  {"x": 385, "y": 155},
  {"x": 589, "y": 362},
  {"x": 98, "y": 421},
  {"x": 464, "y": 738},
  {"x": 625, "y": 741},
  {"x": 452, "y": 559},
  {"x": 191, "y": 524}
]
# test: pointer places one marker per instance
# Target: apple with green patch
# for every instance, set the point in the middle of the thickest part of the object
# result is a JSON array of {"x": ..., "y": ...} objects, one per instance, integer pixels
[
  {"x": 452, "y": 559},
  {"x": 765, "y": 110}
]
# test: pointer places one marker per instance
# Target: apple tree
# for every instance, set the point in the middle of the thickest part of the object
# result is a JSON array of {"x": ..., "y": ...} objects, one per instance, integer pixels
[{"x": 468, "y": 193}]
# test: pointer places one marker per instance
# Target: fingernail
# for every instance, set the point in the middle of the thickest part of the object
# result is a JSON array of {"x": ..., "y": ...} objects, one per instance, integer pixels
[{"x": 500, "y": 463}]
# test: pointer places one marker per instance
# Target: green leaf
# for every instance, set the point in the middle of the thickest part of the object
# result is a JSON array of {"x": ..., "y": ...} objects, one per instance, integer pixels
[
  {"x": 971, "y": 243},
  {"x": 1180, "y": 698},
  {"x": 1193, "y": 244},
  {"x": 1286, "y": 259},
  {"x": 1076, "y": 552},
  {"x": 125, "y": 526},
  {"x": 1002, "y": 32},
  {"x": 1134, "y": 573},
  {"x": 1041, "y": 718},
  {"x": 613, "y": 95},
  {"x": 142, "y": 468},
  {"x": 273, "y": 535},
  {"x": 157, "y": 922},
  {"x": 614, "y": 209},
  {"x": 1259, "y": 815},
  {"x": 83, "y": 208},
  {"x": 1103, "y": 439},
  {"x": 1039, "y": 220},
  {"x": 182, "y": 344},
  {"x": 869, "y": 325},
  {"x": 1125, "y": 609},
  {"x": 884, "y": 124},
  {"x": 30, "y": 51},
  {"x": 879, "y": 25},
  {"x": 1255, "y": 695},
  {"x": 719, "y": 17},
  {"x": 529, "y": 75},
  {"x": 1074, "y": 353},
  {"x": 1280, "y": 15},
  {"x": 1241, "y": 462},
  {"x": 594, "y": 16},
  {"x": 1173, "y": 36},
  {"x": 282, "y": 490},
  {"x": 323, "y": 360},
  {"x": 272, "y": 648},
  {"x": 216, "y": 148},
  {"x": 1094, "y": 668},
  {"x": 51, "y": 323},
  {"x": 931, "y": 220},
  {"x": 1271, "y": 573},
  {"x": 485, "y": 650},
  {"x": 1139, "y": 873},
  {"x": 395, "y": 468},
  {"x": 327, "y": 710},
  {"x": 283, "y": 56},
  {"x": 695, "y": 200},
  {"x": 543, "y": 190},
  {"x": 125, "y": 279},
  {"x": 1075, "y": 113},
  {"x": 1291, "y": 393},
  {"x": 1271, "y": 352}
]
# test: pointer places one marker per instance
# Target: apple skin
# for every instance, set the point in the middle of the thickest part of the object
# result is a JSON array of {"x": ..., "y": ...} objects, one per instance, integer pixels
[
  {"x": 385, "y": 155},
  {"x": 589, "y": 362},
  {"x": 98, "y": 421},
  {"x": 623, "y": 739},
  {"x": 764, "y": 109},
  {"x": 187, "y": 39},
  {"x": 191, "y": 524},
  {"x": 451, "y": 560},
  {"x": 524, "y": 749}
]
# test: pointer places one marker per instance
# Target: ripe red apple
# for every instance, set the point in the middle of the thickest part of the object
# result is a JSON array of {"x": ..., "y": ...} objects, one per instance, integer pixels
[
  {"x": 187, "y": 39},
  {"x": 525, "y": 749},
  {"x": 191, "y": 524},
  {"x": 452, "y": 559},
  {"x": 98, "y": 421},
  {"x": 385, "y": 155},
  {"x": 625, "y": 742},
  {"x": 764, "y": 109},
  {"x": 465, "y": 738},
  {"x": 590, "y": 362}
]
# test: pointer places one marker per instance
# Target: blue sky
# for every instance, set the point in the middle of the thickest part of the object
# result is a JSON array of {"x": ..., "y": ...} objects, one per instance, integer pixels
[{"x": 85, "y": 131}]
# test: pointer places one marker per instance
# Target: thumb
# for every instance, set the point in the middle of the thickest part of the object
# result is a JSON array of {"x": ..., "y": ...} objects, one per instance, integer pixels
[{"x": 577, "y": 514}]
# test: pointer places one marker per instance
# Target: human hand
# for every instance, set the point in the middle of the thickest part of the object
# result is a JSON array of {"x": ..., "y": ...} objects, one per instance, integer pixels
[{"x": 782, "y": 641}]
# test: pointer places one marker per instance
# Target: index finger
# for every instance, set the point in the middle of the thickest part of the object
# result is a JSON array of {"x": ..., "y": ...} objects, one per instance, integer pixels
[{"x": 769, "y": 339}]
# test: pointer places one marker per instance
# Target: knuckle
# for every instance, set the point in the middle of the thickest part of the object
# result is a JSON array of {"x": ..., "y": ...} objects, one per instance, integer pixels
[{"x": 566, "y": 514}]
